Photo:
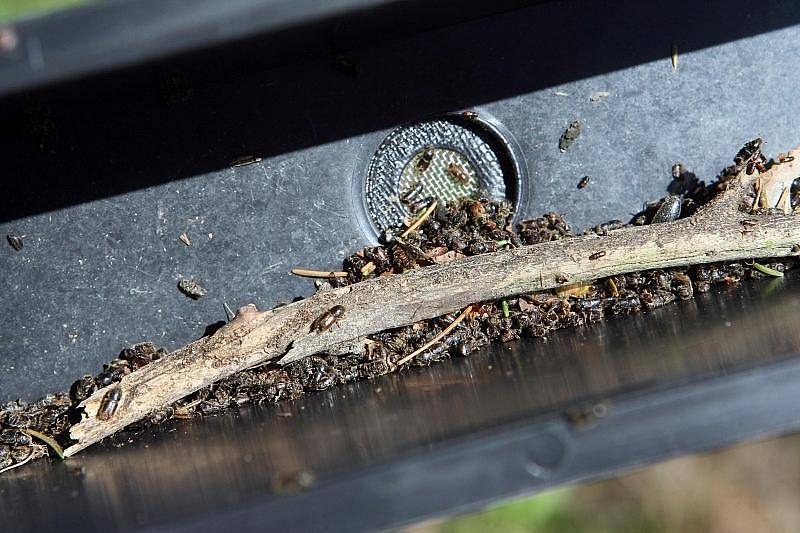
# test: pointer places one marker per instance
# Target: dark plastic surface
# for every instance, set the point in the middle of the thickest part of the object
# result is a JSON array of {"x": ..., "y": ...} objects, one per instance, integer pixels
[
  {"x": 103, "y": 175},
  {"x": 689, "y": 377},
  {"x": 135, "y": 159},
  {"x": 107, "y": 35}
]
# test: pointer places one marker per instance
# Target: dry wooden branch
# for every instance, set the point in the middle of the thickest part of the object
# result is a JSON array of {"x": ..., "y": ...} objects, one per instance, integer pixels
[{"x": 716, "y": 233}]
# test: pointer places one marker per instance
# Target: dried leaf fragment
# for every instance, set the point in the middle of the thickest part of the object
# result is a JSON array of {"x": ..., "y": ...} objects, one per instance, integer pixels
[{"x": 773, "y": 187}]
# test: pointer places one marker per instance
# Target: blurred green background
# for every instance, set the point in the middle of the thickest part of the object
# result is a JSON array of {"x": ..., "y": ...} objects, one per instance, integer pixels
[
  {"x": 16, "y": 9},
  {"x": 745, "y": 489}
]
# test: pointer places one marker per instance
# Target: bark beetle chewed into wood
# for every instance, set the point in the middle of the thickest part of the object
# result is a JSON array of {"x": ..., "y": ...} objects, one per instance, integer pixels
[{"x": 284, "y": 334}]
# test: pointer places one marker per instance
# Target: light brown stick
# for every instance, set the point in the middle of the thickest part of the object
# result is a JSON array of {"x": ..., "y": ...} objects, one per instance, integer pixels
[{"x": 715, "y": 233}]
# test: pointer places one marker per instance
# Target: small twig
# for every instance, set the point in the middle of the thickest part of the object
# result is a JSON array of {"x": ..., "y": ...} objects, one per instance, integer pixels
[
  {"x": 420, "y": 220},
  {"x": 306, "y": 273},
  {"x": 50, "y": 441},
  {"x": 284, "y": 334},
  {"x": 437, "y": 338},
  {"x": 17, "y": 465}
]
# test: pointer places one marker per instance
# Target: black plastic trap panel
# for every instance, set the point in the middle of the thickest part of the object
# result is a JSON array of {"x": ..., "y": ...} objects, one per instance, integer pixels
[
  {"x": 515, "y": 418},
  {"x": 103, "y": 173}
]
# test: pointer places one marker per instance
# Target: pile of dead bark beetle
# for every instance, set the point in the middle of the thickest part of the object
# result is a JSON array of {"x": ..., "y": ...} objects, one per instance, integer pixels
[{"x": 470, "y": 227}]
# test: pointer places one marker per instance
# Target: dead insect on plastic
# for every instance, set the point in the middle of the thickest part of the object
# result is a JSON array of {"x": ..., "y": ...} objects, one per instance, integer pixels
[
  {"x": 191, "y": 288},
  {"x": 597, "y": 255},
  {"x": 185, "y": 239},
  {"x": 109, "y": 404},
  {"x": 749, "y": 152},
  {"x": 15, "y": 241},
  {"x": 425, "y": 159},
  {"x": 766, "y": 270},
  {"x": 572, "y": 132},
  {"x": 325, "y": 321},
  {"x": 458, "y": 173},
  {"x": 584, "y": 182},
  {"x": 470, "y": 115},
  {"x": 419, "y": 203},
  {"x": 245, "y": 160}
]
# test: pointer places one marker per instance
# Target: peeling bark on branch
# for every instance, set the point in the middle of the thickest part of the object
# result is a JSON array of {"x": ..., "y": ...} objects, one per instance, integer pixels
[{"x": 715, "y": 233}]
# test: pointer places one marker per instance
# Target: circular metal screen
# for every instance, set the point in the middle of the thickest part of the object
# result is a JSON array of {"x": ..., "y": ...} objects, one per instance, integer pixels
[
  {"x": 448, "y": 176},
  {"x": 438, "y": 159}
]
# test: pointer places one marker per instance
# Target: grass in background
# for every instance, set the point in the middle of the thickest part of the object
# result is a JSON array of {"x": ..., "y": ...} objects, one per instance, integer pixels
[
  {"x": 16, "y": 9},
  {"x": 556, "y": 511},
  {"x": 548, "y": 511},
  {"x": 745, "y": 489}
]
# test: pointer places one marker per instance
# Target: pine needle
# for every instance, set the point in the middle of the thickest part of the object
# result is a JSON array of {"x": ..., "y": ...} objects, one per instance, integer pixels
[
  {"x": 421, "y": 219},
  {"x": 307, "y": 273},
  {"x": 437, "y": 338},
  {"x": 50, "y": 441}
]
